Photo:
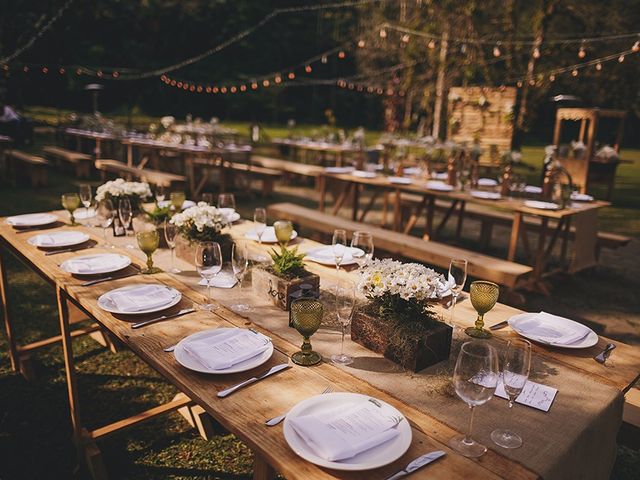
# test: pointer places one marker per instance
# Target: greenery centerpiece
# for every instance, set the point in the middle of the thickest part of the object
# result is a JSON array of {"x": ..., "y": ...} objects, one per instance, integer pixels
[
  {"x": 398, "y": 320},
  {"x": 284, "y": 277}
]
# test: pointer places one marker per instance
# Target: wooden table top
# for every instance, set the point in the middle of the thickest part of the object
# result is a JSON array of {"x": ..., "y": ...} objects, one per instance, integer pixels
[{"x": 244, "y": 412}]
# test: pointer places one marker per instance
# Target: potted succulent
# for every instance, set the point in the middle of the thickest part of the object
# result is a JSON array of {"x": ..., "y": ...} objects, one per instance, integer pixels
[
  {"x": 398, "y": 321},
  {"x": 283, "y": 277}
]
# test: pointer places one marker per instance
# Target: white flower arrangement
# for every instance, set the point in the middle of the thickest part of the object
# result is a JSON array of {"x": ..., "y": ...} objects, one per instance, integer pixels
[
  {"x": 200, "y": 223},
  {"x": 121, "y": 188},
  {"x": 167, "y": 121}
]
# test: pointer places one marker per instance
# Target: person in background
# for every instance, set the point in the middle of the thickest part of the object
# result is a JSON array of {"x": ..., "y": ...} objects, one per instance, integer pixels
[{"x": 12, "y": 124}]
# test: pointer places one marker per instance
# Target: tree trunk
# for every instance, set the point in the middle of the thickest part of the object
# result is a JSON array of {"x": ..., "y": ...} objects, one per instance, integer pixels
[{"x": 440, "y": 83}]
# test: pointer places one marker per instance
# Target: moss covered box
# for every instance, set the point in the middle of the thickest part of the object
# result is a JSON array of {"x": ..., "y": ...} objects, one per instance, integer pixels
[{"x": 278, "y": 290}]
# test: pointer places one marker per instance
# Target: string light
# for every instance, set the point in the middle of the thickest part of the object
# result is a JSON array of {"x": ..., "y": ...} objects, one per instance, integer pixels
[
  {"x": 405, "y": 38},
  {"x": 45, "y": 70},
  {"x": 519, "y": 84},
  {"x": 233, "y": 89},
  {"x": 254, "y": 86},
  {"x": 208, "y": 89},
  {"x": 636, "y": 47},
  {"x": 243, "y": 88},
  {"x": 552, "y": 78},
  {"x": 115, "y": 74},
  {"x": 215, "y": 89},
  {"x": 324, "y": 59},
  {"x": 621, "y": 58},
  {"x": 574, "y": 72},
  {"x": 265, "y": 83},
  {"x": 278, "y": 79},
  {"x": 431, "y": 44},
  {"x": 291, "y": 76},
  {"x": 582, "y": 52},
  {"x": 223, "y": 90},
  {"x": 361, "y": 43},
  {"x": 496, "y": 50},
  {"x": 341, "y": 54},
  {"x": 598, "y": 66},
  {"x": 308, "y": 69},
  {"x": 61, "y": 71},
  {"x": 383, "y": 33},
  {"x": 25, "y": 69},
  {"x": 536, "y": 53}
]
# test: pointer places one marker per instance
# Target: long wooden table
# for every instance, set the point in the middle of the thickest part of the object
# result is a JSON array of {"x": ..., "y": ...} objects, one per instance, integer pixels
[{"x": 244, "y": 412}]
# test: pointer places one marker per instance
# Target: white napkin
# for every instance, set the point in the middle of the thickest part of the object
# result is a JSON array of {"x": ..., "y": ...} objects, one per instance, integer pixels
[
  {"x": 222, "y": 280},
  {"x": 400, "y": 180},
  {"x": 363, "y": 174},
  {"x": 553, "y": 329},
  {"x": 440, "y": 176},
  {"x": 141, "y": 298},
  {"x": 487, "y": 182},
  {"x": 343, "y": 433},
  {"x": 96, "y": 263},
  {"x": 444, "y": 187},
  {"x": 53, "y": 239},
  {"x": 223, "y": 351},
  {"x": 30, "y": 219},
  {"x": 339, "y": 169},
  {"x": 532, "y": 189},
  {"x": 486, "y": 195},
  {"x": 326, "y": 254}
]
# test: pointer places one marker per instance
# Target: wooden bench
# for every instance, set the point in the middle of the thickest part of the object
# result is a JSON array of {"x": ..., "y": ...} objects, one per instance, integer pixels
[
  {"x": 207, "y": 167},
  {"x": 502, "y": 272},
  {"x": 154, "y": 177},
  {"x": 81, "y": 161},
  {"x": 287, "y": 166},
  {"x": 35, "y": 167}
]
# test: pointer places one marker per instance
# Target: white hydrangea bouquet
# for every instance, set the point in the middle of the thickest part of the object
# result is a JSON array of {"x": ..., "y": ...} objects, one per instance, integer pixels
[
  {"x": 121, "y": 188},
  {"x": 403, "y": 291},
  {"x": 201, "y": 223}
]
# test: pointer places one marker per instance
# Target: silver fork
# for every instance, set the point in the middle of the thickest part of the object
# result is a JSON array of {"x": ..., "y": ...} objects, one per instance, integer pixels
[
  {"x": 276, "y": 420},
  {"x": 395, "y": 418}
]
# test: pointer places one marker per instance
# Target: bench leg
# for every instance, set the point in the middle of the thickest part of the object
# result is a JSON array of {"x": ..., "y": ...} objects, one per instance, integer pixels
[{"x": 8, "y": 323}]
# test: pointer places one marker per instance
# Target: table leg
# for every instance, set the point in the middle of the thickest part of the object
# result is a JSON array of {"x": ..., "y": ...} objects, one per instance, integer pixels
[
  {"x": 261, "y": 469},
  {"x": 129, "y": 155},
  {"x": 585, "y": 241},
  {"x": 356, "y": 202},
  {"x": 431, "y": 206},
  {"x": 8, "y": 324},
  {"x": 540, "y": 261},
  {"x": 97, "y": 150},
  {"x": 397, "y": 211},
  {"x": 322, "y": 187},
  {"x": 515, "y": 234},
  {"x": 191, "y": 178},
  {"x": 460, "y": 220}
]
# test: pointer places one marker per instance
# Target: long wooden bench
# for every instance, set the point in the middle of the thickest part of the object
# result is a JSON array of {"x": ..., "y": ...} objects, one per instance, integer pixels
[
  {"x": 287, "y": 166},
  {"x": 155, "y": 177},
  {"x": 502, "y": 272},
  {"x": 208, "y": 167},
  {"x": 35, "y": 167},
  {"x": 80, "y": 161}
]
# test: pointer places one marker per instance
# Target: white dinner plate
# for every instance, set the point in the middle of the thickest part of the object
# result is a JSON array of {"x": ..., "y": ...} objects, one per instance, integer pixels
[
  {"x": 339, "y": 169},
  {"x": 412, "y": 171},
  {"x": 440, "y": 176},
  {"x": 541, "y": 205},
  {"x": 185, "y": 205},
  {"x": 532, "y": 189},
  {"x": 66, "y": 239},
  {"x": 589, "y": 341},
  {"x": 440, "y": 186},
  {"x": 581, "y": 197},
  {"x": 116, "y": 262},
  {"x": 363, "y": 174},
  {"x": 373, "y": 458},
  {"x": 400, "y": 180},
  {"x": 32, "y": 220},
  {"x": 486, "y": 195},
  {"x": 268, "y": 236},
  {"x": 104, "y": 303},
  {"x": 230, "y": 214},
  {"x": 487, "y": 182},
  {"x": 186, "y": 360},
  {"x": 324, "y": 255}
]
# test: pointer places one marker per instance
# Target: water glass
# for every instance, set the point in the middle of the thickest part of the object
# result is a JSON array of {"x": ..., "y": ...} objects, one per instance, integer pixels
[
  {"x": 339, "y": 244},
  {"x": 86, "y": 196},
  {"x": 170, "y": 233},
  {"x": 226, "y": 200},
  {"x": 345, "y": 299},
  {"x": 161, "y": 193},
  {"x": 260, "y": 220},
  {"x": 239, "y": 264},
  {"x": 457, "y": 277},
  {"x": 105, "y": 214},
  {"x": 363, "y": 242},
  {"x": 125, "y": 213},
  {"x": 306, "y": 317},
  {"x": 208, "y": 264},
  {"x": 207, "y": 198}
]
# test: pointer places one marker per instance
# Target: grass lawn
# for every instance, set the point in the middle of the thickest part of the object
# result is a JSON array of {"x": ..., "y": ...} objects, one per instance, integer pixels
[{"x": 33, "y": 415}]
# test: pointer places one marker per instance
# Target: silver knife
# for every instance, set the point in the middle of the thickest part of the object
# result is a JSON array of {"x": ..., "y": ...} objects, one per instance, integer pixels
[
  {"x": 107, "y": 279},
  {"x": 499, "y": 325},
  {"x": 184, "y": 311},
  {"x": 605, "y": 353},
  {"x": 260, "y": 376},
  {"x": 416, "y": 464}
]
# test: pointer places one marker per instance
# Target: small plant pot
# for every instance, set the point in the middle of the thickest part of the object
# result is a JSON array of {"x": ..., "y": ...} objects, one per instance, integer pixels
[
  {"x": 278, "y": 290},
  {"x": 186, "y": 250}
]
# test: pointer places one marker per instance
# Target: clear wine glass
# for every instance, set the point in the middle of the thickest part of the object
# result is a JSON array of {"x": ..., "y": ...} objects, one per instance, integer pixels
[
  {"x": 457, "y": 276},
  {"x": 125, "y": 213},
  {"x": 105, "y": 214},
  {"x": 339, "y": 243},
  {"x": 226, "y": 200},
  {"x": 161, "y": 193},
  {"x": 239, "y": 264},
  {"x": 363, "y": 242},
  {"x": 207, "y": 198},
  {"x": 86, "y": 196},
  {"x": 208, "y": 264},
  {"x": 170, "y": 232},
  {"x": 345, "y": 301},
  {"x": 515, "y": 373},
  {"x": 475, "y": 378},
  {"x": 260, "y": 220}
]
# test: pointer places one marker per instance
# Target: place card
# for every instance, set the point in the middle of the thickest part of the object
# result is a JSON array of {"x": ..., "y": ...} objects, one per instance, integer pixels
[{"x": 533, "y": 395}]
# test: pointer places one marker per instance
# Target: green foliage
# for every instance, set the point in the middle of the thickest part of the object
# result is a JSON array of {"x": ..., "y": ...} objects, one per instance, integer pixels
[
  {"x": 397, "y": 310},
  {"x": 159, "y": 215},
  {"x": 287, "y": 263}
]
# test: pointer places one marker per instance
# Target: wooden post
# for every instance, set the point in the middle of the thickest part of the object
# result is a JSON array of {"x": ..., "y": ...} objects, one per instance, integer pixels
[
  {"x": 261, "y": 469},
  {"x": 515, "y": 233},
  {"x": 440, "y": 83},
  {"x": 8, "y": 324}
]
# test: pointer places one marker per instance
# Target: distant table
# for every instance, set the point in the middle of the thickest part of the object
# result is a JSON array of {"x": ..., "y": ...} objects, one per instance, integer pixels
[
  {"x": 339, "y": 151},
  {"x": 97, "y": 137}
]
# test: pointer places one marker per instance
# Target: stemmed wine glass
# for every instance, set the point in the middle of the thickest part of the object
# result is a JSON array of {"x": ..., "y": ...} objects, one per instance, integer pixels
[
  {"x": 283, "y": 230},
  {"x": 345, "y": 301},
  {"x": 148, "y": 242},
  {"x": 515, "y": 372},
  {"x": 86, "y": 196},
  {"x": 227, "y": 200},
  {"x": 306, "y": 317},
  {"x": 160, "y": 194},
  {"x": 177, "y": 200},
  {"x": 170, "y": 232},
  {"x": 362, "y": 247},
  {"x": 475, "y": 378},
  {"x": 125, "y": 214},
  {"x": 207, "y": 198},
  {"x": 260, "y": 219},
  {"x": 484, "y": 296},
  {"x": 339, "y": 243},
  {"x": 105, "y": 214},
  {"x": 71, "y": 202},
  {"x": 457, "y": 275},
  {"x": 208, "y": 264},
  {"x": 239, "y": 264}
]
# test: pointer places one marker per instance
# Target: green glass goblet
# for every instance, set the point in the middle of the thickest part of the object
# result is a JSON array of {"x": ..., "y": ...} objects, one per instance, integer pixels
[
  {"x": 283, "y": 230},
  {"x": 148, "y": 241},
  {"x": 71, "y": 202},
  {"x": 177, "y": 200},
  {"x": 306, "y": 315},
  {"x": 484, "y": 296}
]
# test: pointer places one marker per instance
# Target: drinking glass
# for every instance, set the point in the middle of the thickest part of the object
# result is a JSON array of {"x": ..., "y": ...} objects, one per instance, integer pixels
[
  {"x": 71, "y": 202},
  {"x": 515, "y": 372},
  {"x": 345, "y": 301},
  {"x": 177, "y": 200},
  {"x": 260, "y": 219},
  {"x": 239, "y": 263},
  {"x": 161, "y": 192},
  {"x": 363, "y": 241},
  {"x": 306, "y": 316},
  {"x": 208, "y": 264},
  {"x": 126, "y": 215},
  {"x": 86, "y": 196},
  {"x": 207, "y": 198},
  {"x": 475, "y": 378},
  {"x": 148, "y": 241},
  {"x": 105, "y": 214},
  {"x": 484, "y": 296},
  {"x": 339, "y": 243},
  {"x": 457, "y": 274},
  {"x": 283, "y": 230},
  {"x": 226, "y": 200},
  {"x": 170, "y": 232}
]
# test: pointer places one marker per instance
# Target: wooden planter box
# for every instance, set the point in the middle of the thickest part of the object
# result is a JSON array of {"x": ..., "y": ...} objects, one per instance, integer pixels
[
  {"x": 277, "y": 290},
  {"x": 186, "y": 250},
  {"x": 417, "y": 353}
]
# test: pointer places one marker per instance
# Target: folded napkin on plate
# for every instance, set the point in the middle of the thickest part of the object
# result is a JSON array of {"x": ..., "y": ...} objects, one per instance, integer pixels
[
  {"x": 343, "y": 433},
  {"x": 553, "y": 329},
  {"x": 56, "y": 239},
  {"x": 143, "y": 297},
  {"x": 96, "y": 263},
  {"x": 223, "y": 351}
]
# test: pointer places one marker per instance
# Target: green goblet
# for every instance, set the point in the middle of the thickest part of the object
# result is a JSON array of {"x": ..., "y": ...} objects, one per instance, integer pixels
[
  {"x": 148, "y": 242},
  {"x": 283, "y": 230},
  {"x": 484, "y": 296},
  {"x": 71, "y": 202},
  {"x": 177, "y": 200},
  {"x": 306, "y": 315}
]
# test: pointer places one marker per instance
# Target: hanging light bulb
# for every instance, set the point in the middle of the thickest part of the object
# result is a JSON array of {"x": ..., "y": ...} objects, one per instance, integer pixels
[
  {"x": 223, "y": 90},
  {"x": 383, "y": 33},
  {"x": 278, "y": 79},
  {"x": 192, "y": 88},
  {"x": 265, "y": 83},
  {"x": 574, "y": 72},
  {"x": 621, "y": 58},
  {"x": 115, "y": 74},
  {"x": 519, "y": 84},
  {"x": 536, "y": 53},
  {"x": 582, "y": 52},
  {"x": 243, "y": 88},
  {"x": 324, "y": 59},
  {"x": 361, "y": 43},
  {"x": 598, "y": 66},
  {"x": 463, "y": 48},
  {"x": 552, "y": 78},
  {"x": 179, "y": 84},
  {"x": 636, "y": 47},
  {"x": 44, "y": 70},
  {"x": 341, "y": 54},
  {"x": 308, "y": 69},
  {"x": 254, "y": 86},
  {"x": 405, "y": 38},
  {"x": 431, "y": 44},
  {"x": 199, "y": 89},
  {"x": 215, "y": 89},
  {"x": 61, "y": 71},
  {"x": 208, "y": 89},
  {"x": 496, "y": 50},
  {"x": 291, "y": 76}
]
